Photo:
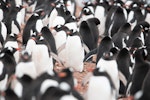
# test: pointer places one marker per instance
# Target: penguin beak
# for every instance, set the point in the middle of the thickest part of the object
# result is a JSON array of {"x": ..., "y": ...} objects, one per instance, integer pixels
[
  {"x": 90, "y": 69},
  {"x": 18, "y": 49},
  {"x": 33, "y": 38},
  {"x": 62, "y": 74},
  {"x": 51, "y": 28},
  {"x": 53, "y": 4},
  {"x": 67, "y": 5},
  {"x": 24, "y": 6}
]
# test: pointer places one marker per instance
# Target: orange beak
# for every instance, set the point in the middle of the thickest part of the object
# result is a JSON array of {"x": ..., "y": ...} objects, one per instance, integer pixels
[{"x": 62, "y": 74}]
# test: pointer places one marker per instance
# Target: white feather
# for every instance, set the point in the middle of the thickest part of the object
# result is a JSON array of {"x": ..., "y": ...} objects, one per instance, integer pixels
[
  {"x": 3, "y": 30},
  {"x": 1, "y": 15},
  {"x": 99, "y": 89},
  {"x": 26, "y": 68},
  {"x": 39, "y": 25},
  {"x": 74, "y": 53},
  {"x": 112, "y": 69},
  {"x": 14, "y": 28},
  {"x": 68, "y": 97},
  {"x": 48, "y": 83}
]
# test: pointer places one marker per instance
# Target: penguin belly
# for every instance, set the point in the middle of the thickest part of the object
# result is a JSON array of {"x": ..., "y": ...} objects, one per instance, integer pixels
[
  {"x": 74, "y": 53},
  {"x": 99, "y": 89}
]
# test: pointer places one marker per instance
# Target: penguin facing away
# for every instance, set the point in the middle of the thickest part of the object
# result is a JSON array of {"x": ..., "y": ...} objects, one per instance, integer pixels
[{"x": 140, "y": 70}]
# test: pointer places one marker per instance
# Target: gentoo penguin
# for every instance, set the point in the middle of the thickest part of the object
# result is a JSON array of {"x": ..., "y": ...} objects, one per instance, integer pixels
[
  {"x": 120, "y": 37},
  {"x": 3, "y": 33},
  {"x": 89, "y": 31},
  {"x": 48, "y": 36},
  {"x": 85, "y": 14},
  {"x": 57, "y": 14},
  {"x": 102, "y": 85},
  {"x": 145, "y": 88},
  {"x": 135, "y": 15},
  {"x": 34, "y": 23},
  {"x": 26, "y": 65},
  {"x": 11, "y": 41},
  {"x": 136, "y": 32},
  {"x": 101, "y": 6},
  {"x": 71, "y": 6},
  {"x": 105, "y": 46},
  {"x": 140, "y": 70},
  {"x": 115, "y": 13},
  {"x": 116, "y": 22},
  {"x": 66, "y": 75},
  {"x": 11, "y": 20},
  {"x": 109, "y": 64},
  {"x": 8, "y": 60},
  {"x": 39, "y": 48},
  {"x": 76, "y": 61},
  {"x": 124, "y": 61}
]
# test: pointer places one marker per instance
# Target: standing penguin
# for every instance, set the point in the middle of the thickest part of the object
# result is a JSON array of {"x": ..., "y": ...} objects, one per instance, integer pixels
[
  {"x": 140, "y": 70},
  {"x": 11, "y": 41},
  {"x": 8, "y": 60},
  {"x": 103, "y": 8},
  {"x": 105, "y": 46},
  {"x": 102, "y": 85},
  {"x": 123, "y": 61},
  {"x": 135, "y": 15},
  {"x": 73, "y": 48},
  {"x": 89, "y": 31},
  {"x": 109, "y": 64},
  {"x": 39, "y": 48},
  {"x": 136, "y": 32},
  {"x": 31, "y": 24},
  {"x": 46, "y": 33},
  {"x": 26, "y": 65},
  {"x": 120, "y": 37}
]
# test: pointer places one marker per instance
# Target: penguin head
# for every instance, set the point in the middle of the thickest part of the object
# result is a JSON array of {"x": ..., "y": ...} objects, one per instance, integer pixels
[
  {"x": 141, "y": 53},
  {"x": 86, "y": 11},
  {"x": 8, "y": 50},
  {"x": 144, "y": 25},
  {"x": 39, "y": 13},
  {"x": 25, "y": 55},
  {"x": 137, "y": 43},
  {"x": 67, "y": 72}
]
